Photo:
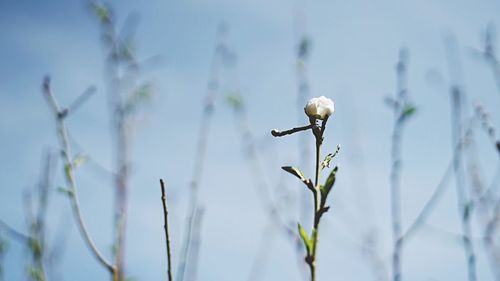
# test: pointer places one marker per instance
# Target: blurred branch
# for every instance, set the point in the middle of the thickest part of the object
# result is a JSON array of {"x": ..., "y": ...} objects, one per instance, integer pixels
[
  {"x": 69, "y": 175},
  {"x": 200, "y": 154},
  {"x": 402, "y": 110},
  {"x": 13, "y": 233},
  {"x": 457, "y": 98},
  {"x": 436, "y": 195}
]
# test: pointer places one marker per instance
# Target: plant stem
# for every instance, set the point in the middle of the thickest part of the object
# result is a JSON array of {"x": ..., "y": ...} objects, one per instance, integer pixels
[{"x": 317, "y": 202}]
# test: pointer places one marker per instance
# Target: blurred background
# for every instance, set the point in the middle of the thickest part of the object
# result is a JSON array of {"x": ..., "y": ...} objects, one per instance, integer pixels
[{"x": 206, "y": 82}]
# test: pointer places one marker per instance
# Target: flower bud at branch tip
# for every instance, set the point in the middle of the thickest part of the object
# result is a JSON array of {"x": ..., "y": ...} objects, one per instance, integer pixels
[{"x": 319, "y": 108}]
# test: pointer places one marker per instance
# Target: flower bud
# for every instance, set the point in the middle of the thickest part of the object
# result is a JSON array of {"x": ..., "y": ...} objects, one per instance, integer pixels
[{"x": 319, "y": 108}]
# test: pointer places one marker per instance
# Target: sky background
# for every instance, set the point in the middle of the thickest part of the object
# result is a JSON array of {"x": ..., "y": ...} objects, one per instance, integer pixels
[{"x": 355, "y": 46}]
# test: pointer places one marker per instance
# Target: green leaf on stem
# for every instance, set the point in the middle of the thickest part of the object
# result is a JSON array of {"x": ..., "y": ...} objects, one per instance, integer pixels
[
  {"x": 234, "y": 100},
  {"x": 65, "y": 191},
  {"x": 296, "y": 172},
  {"x": 102, "y": 12},
  {"x": 408, "y": 111},
  {"x": 305, "y": 238},
  {"x": 139, "y": 96},
  {"x": 79, "y": 160},
  {"x": 330, "y": 181},
  {"x": 68, "y": 171}
]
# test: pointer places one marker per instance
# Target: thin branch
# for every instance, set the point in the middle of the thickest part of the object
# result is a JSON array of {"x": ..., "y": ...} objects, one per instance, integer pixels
[
  {"x": 15, "y": 234},
  {"x": 167, "y": 235},
  {"x": 277, "y": 133},
  {"x": 69, "y": 170},
  {"x": 395, "y": 178},
  {"x": 457, "y": 98}
]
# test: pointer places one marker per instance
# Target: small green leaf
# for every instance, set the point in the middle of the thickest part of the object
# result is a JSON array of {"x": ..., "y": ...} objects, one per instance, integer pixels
[
  {"x": 35, "y": 246},
  {"x": 102, "y": 12},
  {"x": 65, "y": 191},
  {"x": 296, "y": 172},
  {"x": 79, "y": 160},
  {"x": 408, "y": 111},
  {"x": 305, "y": 238},
  {"x": 139, "y": 96},
  {"x": 234, "y": 100},
  {"x": 68, "y": 171},
  {"x": 330, "y": 181}
]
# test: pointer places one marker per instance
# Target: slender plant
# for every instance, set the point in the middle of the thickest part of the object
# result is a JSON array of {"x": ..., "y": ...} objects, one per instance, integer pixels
[{"x": 318, "y": 110}]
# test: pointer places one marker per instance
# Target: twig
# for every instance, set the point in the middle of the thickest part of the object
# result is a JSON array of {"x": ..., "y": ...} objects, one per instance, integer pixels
[
  {"x": 13, "y": 233},
  {"x": 70, "y": 180},
  {"x": 277, "y": 133},
  {"x": 395, "y": 179},
  {"x": 457, "y": 97},
  {"x": 167, "y": 235}
]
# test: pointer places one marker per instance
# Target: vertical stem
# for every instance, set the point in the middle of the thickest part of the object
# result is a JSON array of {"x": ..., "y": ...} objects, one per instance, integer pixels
[
  {"x": 463, "y": 207},
  {"x": 395, "y": 181},
  {"x": 70, "y": 179},
  {"x": 317, "y": 205},
  {"x": 457, "y": 98},
  {"x": 167, "y": 235}
]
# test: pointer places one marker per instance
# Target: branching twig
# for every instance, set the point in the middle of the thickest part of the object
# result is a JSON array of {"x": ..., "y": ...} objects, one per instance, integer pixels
[{"x": 69, "y": 176}]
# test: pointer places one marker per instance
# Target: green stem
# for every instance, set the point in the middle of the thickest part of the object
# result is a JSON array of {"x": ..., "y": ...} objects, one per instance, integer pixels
[{"x": 317, "y": 213}]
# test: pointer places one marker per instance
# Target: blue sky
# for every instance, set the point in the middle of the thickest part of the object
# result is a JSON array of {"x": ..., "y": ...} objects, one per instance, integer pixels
[{"x": 355, "y": 46}]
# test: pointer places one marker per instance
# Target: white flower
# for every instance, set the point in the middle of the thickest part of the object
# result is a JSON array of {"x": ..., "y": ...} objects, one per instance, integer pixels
[{"x": 319, "y": 108}]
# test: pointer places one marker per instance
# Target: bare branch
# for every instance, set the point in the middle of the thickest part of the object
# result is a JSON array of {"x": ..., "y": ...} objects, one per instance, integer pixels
[
  {"x": 68, "y": 163},
  {"x": 167, "y": 235},
  {"x": 277, "y": 133}
]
